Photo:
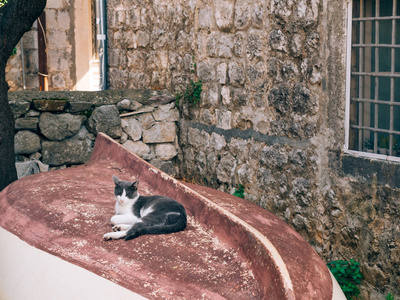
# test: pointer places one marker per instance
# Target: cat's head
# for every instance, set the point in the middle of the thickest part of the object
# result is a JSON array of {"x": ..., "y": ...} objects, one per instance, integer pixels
[{"x": 125, "y": 191}]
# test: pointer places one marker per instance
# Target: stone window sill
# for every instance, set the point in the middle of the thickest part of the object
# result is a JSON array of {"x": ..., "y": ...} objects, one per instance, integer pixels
[{"x": 365, "y": 168}]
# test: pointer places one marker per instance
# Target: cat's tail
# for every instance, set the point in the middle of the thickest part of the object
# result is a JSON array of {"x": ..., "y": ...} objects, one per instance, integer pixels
[{"x": 135, "y": 232}]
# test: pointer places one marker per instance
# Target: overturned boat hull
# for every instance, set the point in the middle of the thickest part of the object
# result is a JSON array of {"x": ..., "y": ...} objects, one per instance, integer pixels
[{"x": 231, "y": 249}]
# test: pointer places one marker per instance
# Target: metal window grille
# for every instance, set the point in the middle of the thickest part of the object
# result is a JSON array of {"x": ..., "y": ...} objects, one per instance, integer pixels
[{"x": 374, "y": 78}]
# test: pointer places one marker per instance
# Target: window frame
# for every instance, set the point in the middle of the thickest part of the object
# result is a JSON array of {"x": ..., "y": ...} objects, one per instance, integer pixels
[{"x": 356, "y": 153}]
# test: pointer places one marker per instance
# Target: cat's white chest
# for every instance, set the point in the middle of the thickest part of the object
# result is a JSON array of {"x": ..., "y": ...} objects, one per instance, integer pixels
[{"x": 123, "y": 209}]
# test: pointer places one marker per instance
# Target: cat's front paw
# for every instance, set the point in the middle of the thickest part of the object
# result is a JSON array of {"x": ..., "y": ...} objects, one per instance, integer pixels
[
  {"x": 114, "y": 235},
  {"x": 121, "y": 227},
  {"x": 107, "y": 237}
]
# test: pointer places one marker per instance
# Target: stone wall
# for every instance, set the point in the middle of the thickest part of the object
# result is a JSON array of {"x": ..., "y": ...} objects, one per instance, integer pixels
[
  {"x": 60, "y": 34},
  {"x": 271, "y": 116},
  {"x": 57, "y": 129}
]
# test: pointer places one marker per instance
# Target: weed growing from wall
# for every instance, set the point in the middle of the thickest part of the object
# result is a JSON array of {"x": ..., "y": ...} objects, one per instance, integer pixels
[
  {"x": 389, "y": 297},
  {"x": 239, "y": 192},
  {"x": 192, "y": 93},
  {"x": 348, "y": 275}
]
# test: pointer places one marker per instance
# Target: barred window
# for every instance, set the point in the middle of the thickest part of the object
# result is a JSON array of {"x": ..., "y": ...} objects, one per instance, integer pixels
[{"x": 373, "y": 79}]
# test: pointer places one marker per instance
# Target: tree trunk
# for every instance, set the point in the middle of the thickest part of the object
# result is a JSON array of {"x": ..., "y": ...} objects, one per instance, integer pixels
[
  {"x": 16, "y": 17},
  {"x": 8, "y": 172}
]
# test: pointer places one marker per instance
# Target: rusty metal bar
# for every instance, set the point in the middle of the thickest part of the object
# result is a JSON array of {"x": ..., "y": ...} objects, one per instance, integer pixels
[{"x": 42, "y": 53}]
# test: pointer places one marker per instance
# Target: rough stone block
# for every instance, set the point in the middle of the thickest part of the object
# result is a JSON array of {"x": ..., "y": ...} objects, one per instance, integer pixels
[
  {"x": 26, "y": 168},
  {"x": 254, "y": 46},
  {"x": 226, "y": 95},
  {"x": 211, "y": 46},
  {"x": 279, "y": 98},
  {"x": 30, "y": 167},
  {"x": 132, "y": 127},
  {"x": 160, "y": 132},
  {"x": 165, "y": 151},
  {"x": 221, "y": 73},
  {"x": 278, "y": 41},
  {"x": 198, "y": 139},
  {"x": 139, "y": 148},
  {"x": 225, "y": 46},
  {"x": 106, "y": 119},
  {"x": 224, "y": 119},
  {"x": 29, "y": 123},
  {"x": 217, "y": 141},
  {"x": 224, "y": 10},
  {"x": 49, "y": 105},
  {"x": 165, "y": 166},
  {"x": 213, "y": 95},
  {"x": 129, "y": 105},
  {"x": 57, "y": 153},
  {"x": 143, "y": 39},
  {"x": 166, "y": 113},
  {"x": 19, "y": 108},
  {"x": 258, "y": 15},
  {"x": 26, "y": 142},
  {"x": 242, "y": 16},
  {"x": 57, "y": 127},
  {"x": 226, "y": 168},
  {"x": 147, "y": 121},
  {"x": 205, "y": 18},
  {"x": 236, "y": 74},
  {"x": 80, "y": 106},
  {"x": 205, "y": 72}
]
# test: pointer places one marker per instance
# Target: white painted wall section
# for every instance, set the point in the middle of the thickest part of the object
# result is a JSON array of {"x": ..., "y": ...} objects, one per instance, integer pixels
[{"x": 29, "y": 273}]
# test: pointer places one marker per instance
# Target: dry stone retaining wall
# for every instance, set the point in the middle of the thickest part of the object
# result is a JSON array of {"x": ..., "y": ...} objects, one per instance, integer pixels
[{"x": 58, "y": 129}]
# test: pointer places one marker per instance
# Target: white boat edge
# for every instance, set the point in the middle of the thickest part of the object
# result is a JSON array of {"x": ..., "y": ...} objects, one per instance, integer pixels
[
  {"x": 337, "y": 292},
  {"x": 29, "y": 273}
]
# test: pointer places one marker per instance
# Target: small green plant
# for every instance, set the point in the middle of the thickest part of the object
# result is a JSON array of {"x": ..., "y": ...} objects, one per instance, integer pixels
[
  {"x": 348, "y": 275},
  {"x": 389, "y": 297},
  {"x": 239, "y": 192},
  {"x": 383, "y": 142},
  {"x": 191, "y": 95}
]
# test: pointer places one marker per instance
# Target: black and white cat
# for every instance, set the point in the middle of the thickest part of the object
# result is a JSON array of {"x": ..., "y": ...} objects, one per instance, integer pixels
[{"x": 137, "y": 215}]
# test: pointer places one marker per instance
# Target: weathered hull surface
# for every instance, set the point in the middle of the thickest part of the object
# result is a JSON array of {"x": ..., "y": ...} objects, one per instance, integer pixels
[{"x": 230, "y": 249}]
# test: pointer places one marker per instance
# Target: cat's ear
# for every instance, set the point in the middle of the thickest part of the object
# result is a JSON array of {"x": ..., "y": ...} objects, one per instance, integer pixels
[
  {"x": 116, "y": 179},
  {"x": 135, "y": 184}
]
